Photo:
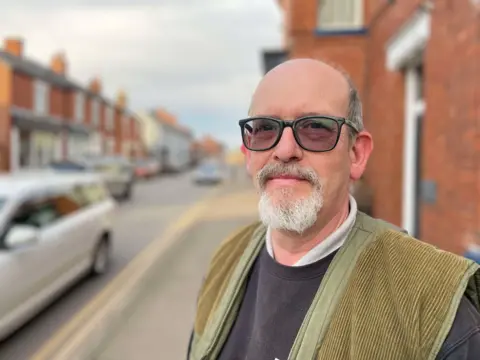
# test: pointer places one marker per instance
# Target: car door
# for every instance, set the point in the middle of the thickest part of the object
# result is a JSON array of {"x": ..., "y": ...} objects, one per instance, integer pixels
[
  {"x": 26, "y": 271},
  {"x": 71, "y": 228}
]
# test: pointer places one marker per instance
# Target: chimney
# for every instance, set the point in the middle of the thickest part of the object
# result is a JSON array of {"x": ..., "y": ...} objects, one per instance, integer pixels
[
  {"x": 58, "y": 63},
  {"x": 14, "y": 46},
  {"x": 122, "y": 99},
  {"x": 96, "y": 85}
]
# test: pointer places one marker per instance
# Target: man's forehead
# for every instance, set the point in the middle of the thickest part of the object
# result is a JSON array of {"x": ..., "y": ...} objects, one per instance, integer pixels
[{"x": 301, "y": 87}]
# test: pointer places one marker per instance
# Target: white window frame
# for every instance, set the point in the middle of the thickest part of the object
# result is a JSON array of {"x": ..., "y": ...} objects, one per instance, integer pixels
[
  {"x": 95, "y": 112},
  {"x": 403, "y": 53},
  {"x": 41, "y": 103},
  {"x": 79, "y": 106},
  {"x": 330, "y": 13}
]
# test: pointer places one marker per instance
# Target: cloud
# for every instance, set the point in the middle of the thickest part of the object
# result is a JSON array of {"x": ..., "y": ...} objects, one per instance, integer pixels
[{"x": 199, "y": 59}]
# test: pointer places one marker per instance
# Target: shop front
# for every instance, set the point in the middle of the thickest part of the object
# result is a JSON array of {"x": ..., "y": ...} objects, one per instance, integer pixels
[{"x": 35, "y": 141}]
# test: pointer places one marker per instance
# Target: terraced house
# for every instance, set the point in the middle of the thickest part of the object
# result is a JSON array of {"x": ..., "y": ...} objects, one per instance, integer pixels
[
  {"x": 45, "y": 115},
  {"x": 416, "y": 64}
]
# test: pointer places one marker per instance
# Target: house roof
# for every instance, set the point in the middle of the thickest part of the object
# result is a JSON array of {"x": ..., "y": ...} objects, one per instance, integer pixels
[{"x": 37, "y": 70}]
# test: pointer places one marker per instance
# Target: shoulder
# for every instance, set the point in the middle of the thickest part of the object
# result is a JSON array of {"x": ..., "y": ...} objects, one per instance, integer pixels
[{"x": 463, "y": 340}]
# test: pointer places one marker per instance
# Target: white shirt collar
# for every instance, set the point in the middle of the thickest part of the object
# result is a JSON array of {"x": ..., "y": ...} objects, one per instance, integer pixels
[{"x": 332, "y": 243}]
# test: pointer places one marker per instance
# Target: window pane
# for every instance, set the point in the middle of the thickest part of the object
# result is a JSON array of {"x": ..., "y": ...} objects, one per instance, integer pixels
[{"x": 340, "y": 14}]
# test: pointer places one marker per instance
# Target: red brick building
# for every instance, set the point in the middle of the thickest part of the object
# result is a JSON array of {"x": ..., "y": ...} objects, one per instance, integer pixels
[
  {"x": 417, "y": 67},
  {"x": 45, "y": 115}
]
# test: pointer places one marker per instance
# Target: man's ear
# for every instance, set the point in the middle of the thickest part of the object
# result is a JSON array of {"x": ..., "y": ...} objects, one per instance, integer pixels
[{"x": 359, "y": 154}]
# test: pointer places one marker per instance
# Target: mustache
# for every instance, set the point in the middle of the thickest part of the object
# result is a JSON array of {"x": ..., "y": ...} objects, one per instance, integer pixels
[{"x": 278, "y": 169}]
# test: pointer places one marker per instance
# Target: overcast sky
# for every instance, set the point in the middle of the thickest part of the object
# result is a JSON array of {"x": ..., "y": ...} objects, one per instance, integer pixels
[{"x": 200, "y": 59}]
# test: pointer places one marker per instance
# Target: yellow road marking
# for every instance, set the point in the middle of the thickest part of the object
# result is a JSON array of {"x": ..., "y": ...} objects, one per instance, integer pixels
[{"x": 63, "y": 343}]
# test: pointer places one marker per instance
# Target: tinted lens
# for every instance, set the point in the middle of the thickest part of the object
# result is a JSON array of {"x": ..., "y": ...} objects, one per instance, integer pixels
[
  {"x": 317, "y": 134},
  {"x": 260, "y": 134}
]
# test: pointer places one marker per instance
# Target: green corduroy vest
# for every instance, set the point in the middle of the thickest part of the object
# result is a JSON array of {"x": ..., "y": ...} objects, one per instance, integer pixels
[{"x": 385, "y": 296}]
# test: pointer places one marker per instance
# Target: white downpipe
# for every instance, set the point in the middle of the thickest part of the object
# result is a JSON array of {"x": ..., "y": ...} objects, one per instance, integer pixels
[{"x": 410, "y": 152}]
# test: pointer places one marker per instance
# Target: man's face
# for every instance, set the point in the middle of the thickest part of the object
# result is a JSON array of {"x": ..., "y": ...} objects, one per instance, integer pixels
[{"x": 296, "y": 184}]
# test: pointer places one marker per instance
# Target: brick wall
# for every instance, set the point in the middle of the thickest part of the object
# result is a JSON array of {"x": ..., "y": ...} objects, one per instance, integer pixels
[
  {"x": 451, "y": 145},
  {"x": 451, "y": 142},
  {"x": 6, "y": 79},
  {"x": 57, "y": 101},
  {"x": 22, "y": 90}
]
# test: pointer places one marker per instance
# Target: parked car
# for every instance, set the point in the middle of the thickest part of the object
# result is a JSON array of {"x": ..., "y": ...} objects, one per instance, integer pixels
[
  {"x": 118, "y": 172},
  {"x": 146, "y": 168},
  {"x": 53, "y": 233},
  {"x": 209, "y": 172}
]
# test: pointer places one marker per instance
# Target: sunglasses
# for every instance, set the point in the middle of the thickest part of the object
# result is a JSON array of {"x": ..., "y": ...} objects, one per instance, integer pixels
[{"x": 315, "y": 133}]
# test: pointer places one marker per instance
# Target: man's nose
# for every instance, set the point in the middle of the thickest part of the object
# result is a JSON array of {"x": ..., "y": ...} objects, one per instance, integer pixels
[{"x": 287, "y": 148}]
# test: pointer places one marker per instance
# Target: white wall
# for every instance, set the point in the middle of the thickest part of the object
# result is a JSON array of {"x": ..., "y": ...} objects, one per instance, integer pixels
[{"x": 178, "y": 145}]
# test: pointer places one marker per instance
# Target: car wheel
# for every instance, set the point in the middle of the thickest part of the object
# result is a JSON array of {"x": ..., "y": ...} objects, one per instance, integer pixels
[{"x": 101, "y": 258}]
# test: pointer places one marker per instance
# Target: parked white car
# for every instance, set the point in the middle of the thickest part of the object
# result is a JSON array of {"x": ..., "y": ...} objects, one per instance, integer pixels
[{"x": 54, "y": 230}]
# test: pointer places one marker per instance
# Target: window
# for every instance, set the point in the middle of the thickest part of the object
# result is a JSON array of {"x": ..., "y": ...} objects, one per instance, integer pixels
[
  {"x": 340, "y": 14},
  {"x": 109, "y": 118},
  {"x": 79, "y": 106},
  {"x": 39, "y": 213},
  {"x": 95, "y": 109},
  {"x": 41, "y": 97}
]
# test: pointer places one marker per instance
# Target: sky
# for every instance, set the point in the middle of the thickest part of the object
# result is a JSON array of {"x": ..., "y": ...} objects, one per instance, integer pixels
[{"x": 199, "y": 59}]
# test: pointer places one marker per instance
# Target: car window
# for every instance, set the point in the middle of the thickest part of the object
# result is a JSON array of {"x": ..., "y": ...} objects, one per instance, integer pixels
[
  {"x": 38, "y": 213},
  {"x": 67, "y": 166},
  {"x": 67, "y": 201}
]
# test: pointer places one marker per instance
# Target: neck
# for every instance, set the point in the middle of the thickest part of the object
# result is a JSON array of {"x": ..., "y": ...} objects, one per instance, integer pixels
[{"x": 290, "y": 247}]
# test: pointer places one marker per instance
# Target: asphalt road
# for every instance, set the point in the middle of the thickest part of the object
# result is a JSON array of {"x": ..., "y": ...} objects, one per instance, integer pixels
[{"x": 155, "y": 204}]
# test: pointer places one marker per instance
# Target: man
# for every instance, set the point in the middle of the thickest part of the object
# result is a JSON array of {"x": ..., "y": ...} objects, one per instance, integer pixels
[{"x": 317, "y": 279}]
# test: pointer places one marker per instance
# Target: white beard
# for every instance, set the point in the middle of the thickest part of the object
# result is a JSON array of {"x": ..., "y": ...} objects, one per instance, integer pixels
[{"x": 290, "y": 214}]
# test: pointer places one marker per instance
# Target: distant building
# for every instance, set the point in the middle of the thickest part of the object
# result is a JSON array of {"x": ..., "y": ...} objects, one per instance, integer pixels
[
  {"x": 45, "y": 115},
  {"x": 166, "y": 139}
]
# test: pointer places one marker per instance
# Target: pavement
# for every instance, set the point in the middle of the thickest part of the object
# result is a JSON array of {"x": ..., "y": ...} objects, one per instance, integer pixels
[
  {"x": 147, "y": 310},
  {"x": 156, "y": 204}
]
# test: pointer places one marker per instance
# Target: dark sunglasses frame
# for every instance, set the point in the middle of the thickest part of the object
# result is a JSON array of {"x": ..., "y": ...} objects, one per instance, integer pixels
[{"x": 293, "y": 124}]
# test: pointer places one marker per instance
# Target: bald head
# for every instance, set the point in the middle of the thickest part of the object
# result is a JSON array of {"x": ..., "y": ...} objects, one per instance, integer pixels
[{"x": 303, "y": 86}]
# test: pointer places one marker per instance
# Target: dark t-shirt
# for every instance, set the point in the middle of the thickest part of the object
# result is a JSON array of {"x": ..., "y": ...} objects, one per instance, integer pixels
[{"x": 278, "y": 297}]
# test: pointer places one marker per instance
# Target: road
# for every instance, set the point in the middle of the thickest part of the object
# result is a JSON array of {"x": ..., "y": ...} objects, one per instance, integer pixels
[{"x": 156, "y": 203}]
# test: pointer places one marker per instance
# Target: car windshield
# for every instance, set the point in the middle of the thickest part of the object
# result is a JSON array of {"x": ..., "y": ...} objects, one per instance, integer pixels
[
  {"x": 209, "y": 167},
  {"x": 67, "y": 165},
  {"x": 143, "y": 162}
]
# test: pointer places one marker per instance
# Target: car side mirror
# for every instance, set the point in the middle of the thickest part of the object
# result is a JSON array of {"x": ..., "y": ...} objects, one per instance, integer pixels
[{"x": 21, "y": 236}]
